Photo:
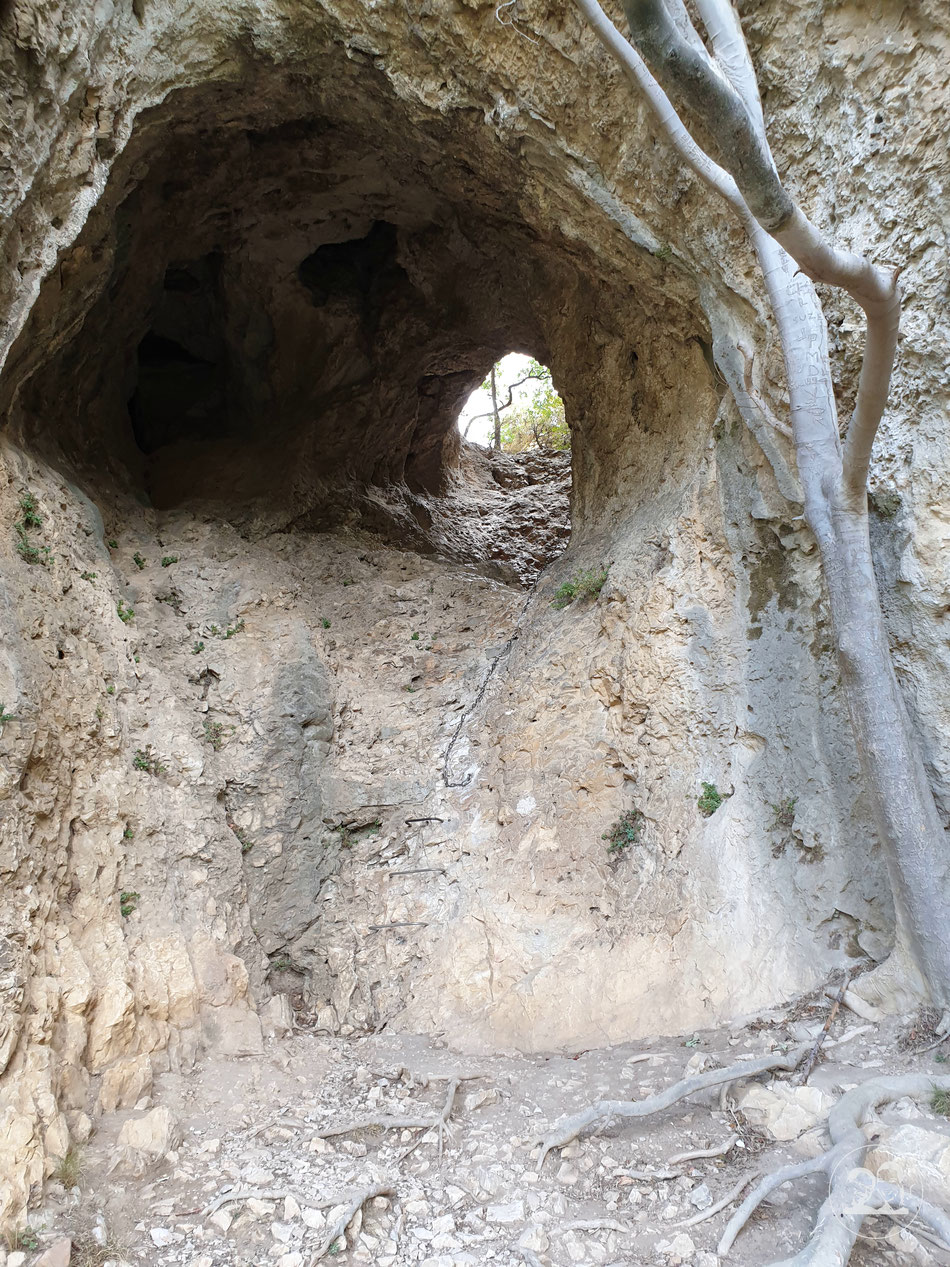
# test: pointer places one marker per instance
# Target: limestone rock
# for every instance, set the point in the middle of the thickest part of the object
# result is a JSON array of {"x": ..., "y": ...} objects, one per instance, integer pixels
[
  {"x": 59, "y": 1254},
  {"x": 783, "y": 1110},
  {"x": 914, "y": 1157},
  {"x": 145, "y": 1140},
  {"x": 277, "y": 1018},
  {"x": 124, "y": 1083}
]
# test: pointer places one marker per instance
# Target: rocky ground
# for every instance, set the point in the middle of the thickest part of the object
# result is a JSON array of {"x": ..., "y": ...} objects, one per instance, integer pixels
[{"x": 258, "y": 1160}]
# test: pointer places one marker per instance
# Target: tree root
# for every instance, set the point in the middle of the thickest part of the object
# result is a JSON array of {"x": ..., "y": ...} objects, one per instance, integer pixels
[
  {"x": 353, "y": 1207},
  {"x": 569, "y": 1128},
  {"x": 244, "y": 1194},
  {"x": 722, "y": 1202},
  {"x": 388, "y": 1123},
  {"x": 854, "y": 1193},
  {"x": 718, "y": 1150}
]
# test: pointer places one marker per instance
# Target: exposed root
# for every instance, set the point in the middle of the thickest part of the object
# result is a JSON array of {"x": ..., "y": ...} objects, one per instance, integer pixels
[
  {"x": 388, "y": 1123},
  {"x": 722, "y": 1202},
  {"x": 854, "y": 1193},
  {"x": 718, "y": 1150},
  {"x": 349, "y": 1214},
  {"x": 245, "y": 1194},
  {"x": 569, "y": 1128},
  {"x": 853, "y": 1198}
]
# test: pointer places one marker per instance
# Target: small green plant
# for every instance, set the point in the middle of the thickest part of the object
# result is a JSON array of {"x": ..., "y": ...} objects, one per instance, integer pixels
[
  {"x": 663, "y": 252},
  {"x": 783, "y": 814},
  {"x": 710, "y": 800},
  {"x": 243, "y": 840},
  {"x": 128, "y": 901},
  {"x": 940, "y": 1059},
  {"x": 411, "y": 689},
  {"x": 214, "y": 733},
  {"x": 110, "y": 689},
  {"x": 146, "y": 759},
  {"x": 415, "y": 637},
  {"x": 5, "y": 716},
  {"x": 69, "y": 1168},
  {"x": 695, "y": 1041},
  {"x": 234, "y": 629},
  {"x": 125, "y": 612},
  {"x": 197, "y": 648},
  {"x": 128, "y": 833},
  {"x": 27, "y": 1238},
  {"x": 940, "y": 1102},
  {"x": 584, "y": 584},
  {"x": 335, "y": 1249},
  {"x": 324, "y": 622},
  {"x": 139, "y": 562},
  {"x": 112, "y": 544},
  {"x": 625, "y": 832},
  {"x": 168, "y": 560},
  {"x": 88, "y": 576},
  {"x": 281, "y": 962},
  {"x": 28, "y": 552},
  {"x": 31, "y": 516},
  {"x": 348, "y": 582}
]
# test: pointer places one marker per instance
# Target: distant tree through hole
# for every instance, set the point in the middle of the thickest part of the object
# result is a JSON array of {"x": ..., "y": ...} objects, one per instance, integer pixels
[{"x": 516, "y": 408}]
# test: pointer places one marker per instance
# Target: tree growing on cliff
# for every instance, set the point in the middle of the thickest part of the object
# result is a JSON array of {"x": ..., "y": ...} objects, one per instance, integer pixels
[{"x": 702, "y": 87}]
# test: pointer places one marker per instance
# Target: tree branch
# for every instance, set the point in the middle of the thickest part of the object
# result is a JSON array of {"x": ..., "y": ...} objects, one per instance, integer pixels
[{"x": 695, "y": 80}]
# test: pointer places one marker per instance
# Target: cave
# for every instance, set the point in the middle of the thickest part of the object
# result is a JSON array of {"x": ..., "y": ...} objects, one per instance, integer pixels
[{"x": 321, "y": 724}]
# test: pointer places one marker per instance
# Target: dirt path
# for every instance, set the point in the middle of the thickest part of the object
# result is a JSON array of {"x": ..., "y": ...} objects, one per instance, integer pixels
[{"x": 254, "y": 1127}]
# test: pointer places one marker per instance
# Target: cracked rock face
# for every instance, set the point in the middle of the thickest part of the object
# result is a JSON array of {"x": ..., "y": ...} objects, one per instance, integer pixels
[{"x": 284, "y": 713}]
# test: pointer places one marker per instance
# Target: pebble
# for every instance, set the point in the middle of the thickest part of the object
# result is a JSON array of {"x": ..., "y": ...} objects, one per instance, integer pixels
[{"x": 163, "y": 1237}]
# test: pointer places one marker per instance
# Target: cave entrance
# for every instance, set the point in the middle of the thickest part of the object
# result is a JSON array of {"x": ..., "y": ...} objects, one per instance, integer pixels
[{"x": 516, "y": 409}]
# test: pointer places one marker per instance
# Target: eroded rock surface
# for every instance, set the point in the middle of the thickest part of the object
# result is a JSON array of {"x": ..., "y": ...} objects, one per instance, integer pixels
[{"x": 282, "y": 711}]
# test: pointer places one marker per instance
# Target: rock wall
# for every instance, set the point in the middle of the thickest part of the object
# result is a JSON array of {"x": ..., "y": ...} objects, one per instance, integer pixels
[{"x": 254, "y": 257}]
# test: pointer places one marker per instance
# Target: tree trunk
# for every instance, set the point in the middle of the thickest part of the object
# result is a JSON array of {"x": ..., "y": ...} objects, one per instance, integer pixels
[
  {"x": 719, "y": 87},
  {"x": 905, "y": 813},
  {"x": 494, "y": 409}
]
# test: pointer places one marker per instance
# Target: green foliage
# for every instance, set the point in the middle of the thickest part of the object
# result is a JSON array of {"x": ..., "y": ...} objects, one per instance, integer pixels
[
  {"x": 31, "y": 517},
  {"x": 415, "y": 637},
  {"x": 281, "y": 962},
  {"x": 69, "y": 1168},
  {"x": 27, "y": 1238},
  {"x": 5, "y": 716},
  {"x": 663, "y": 252},
  {"x": 125, "y": 613},
  {"x": 538, "y": 422},
  {"x": 710, "y": 800},
  {"x": 197, "y": 648},
  {"x": 242, "y": 838},
  {"x": 324, "y": 622},
  {"x": 168, "y": 560},
  {"x": 128, "y": 901},
  {"x": 112, "y": 544},
  {"x": 139, "y": 562},
  {"x": 128, "y": 833},
  {"x": 625, "y": 832},
  {"x": 110, "y": 689},
  {"x": 940, "y": 1102},
  {"x": 234, "y": 629},
  {"x": 214, "y": 631},
  {"x": 88, "y": 576},
  {"x": 214, "y": 733},
  {"x": 147, "y": 760},
  {"x": 409, "y": 689},
  {"x": 29, "y": 552},
  {"x": 783, "y": 814},
  {"x": 586, "y": 583}
]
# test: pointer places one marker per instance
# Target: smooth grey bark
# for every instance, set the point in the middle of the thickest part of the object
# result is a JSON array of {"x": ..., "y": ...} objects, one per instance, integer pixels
[
  {"x": 720, "y": 87},
  {"x": 494, "y": 409}
]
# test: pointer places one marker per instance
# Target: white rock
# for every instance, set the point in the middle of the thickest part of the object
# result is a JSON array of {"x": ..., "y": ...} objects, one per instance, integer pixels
[
  {"x": 701, "y": 1197},
  {"x": 163, "y": 1237},
  {"x": 221, "y": 1219},
  {"x": 511, "y": 1212},
  {"x": 783, "y": 1110}
]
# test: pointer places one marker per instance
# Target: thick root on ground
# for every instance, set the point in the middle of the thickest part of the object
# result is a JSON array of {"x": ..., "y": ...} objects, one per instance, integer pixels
[
  {"x": 854, "y": 1193},
  {"x": 349, "y": 1214},
  {"x": 569, "y": 1128}
]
